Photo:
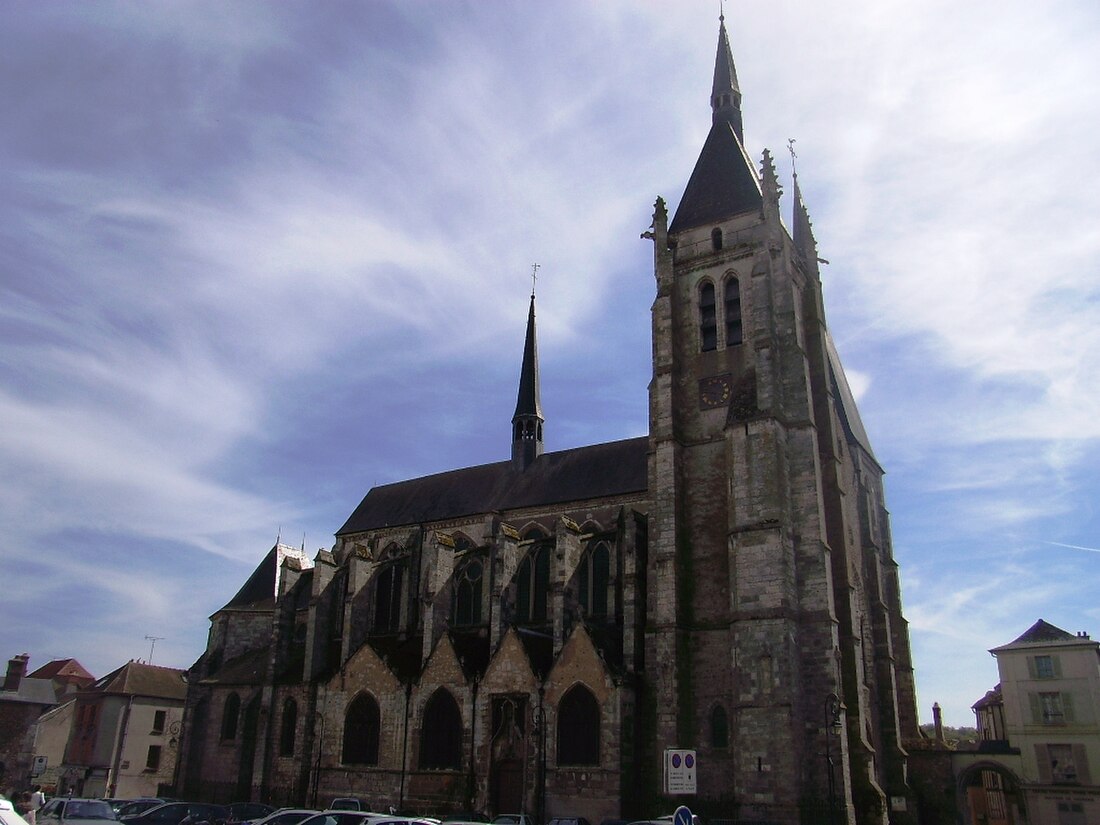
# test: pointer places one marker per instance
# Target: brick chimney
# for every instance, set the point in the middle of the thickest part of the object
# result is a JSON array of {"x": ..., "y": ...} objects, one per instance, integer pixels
[{"x": 17, "y": 669}]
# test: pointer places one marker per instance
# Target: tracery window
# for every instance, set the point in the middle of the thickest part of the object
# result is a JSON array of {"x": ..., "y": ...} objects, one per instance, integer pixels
[
  {"x": 734, "y": 330},
  {"x": 230, "y": 716},
  {"x": 388, "y": 590},
  {"x": 592, "y": 580},
  {"x": 708, "y": 323},
  {"x": 362, "y": 723},
  {"x": 289, "y": 727},
  {"x": 579, "y": 728},
  {"x": 532, "y": 586},
  {"x": 441, "y": 733},
  {"x": 467, "y": 592}
]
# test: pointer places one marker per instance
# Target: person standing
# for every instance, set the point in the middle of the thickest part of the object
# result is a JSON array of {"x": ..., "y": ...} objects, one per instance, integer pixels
[{"x": 38, "y": 799}]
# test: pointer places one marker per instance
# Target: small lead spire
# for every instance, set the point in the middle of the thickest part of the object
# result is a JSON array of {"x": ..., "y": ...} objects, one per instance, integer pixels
[
  {"x": 725, "y": 94},
  {"x": 527, "y": 421}
]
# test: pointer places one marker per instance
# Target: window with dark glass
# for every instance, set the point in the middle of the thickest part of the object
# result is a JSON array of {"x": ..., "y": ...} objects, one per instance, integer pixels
[
  {"x": 532, "y": 585},
  {"x": 579, "y": 728},
  {"x": 734, "y": 332},
  {"x": 152, "y": 759},
  {"x": 708, "y": 322},
  {"x": 289, "y": 727},
  {"x": 719, "y": 728},
  {"x": 716, "y": 239},
  {"x": 592, "y": 580},
  {"x": 441, "y": 733},
  {"x": 230, "y": 714},
  {"x": 159, "y": 717},
  {"x": 387, "y": 596},
  {"x": 361, "y": 728},
  {"x": 468, "y": 592}
]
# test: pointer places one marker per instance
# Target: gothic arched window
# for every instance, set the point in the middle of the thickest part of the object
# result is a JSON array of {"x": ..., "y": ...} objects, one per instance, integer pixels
[
  {"x": 388, "y": 590},
  {"x": 719, "y": 728},
  {"x": 441, "y": 733},
  {"x": 289, "y": 727},
  {"x": 230, "y": 716},
  {"x": 592, "y": 580},
  {"x": 733, "y": 312},
  {"x": 362, "y": 723},
  {"x": 467, "y": 592},
  {"x": 708, "y": 321},
  {"x": 532, "y": 585},
  {"x": 579, "y": 728}
]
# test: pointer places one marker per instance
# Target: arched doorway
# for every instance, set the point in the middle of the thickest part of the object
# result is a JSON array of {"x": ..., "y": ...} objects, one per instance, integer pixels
[
  {"x": 506, "y": 772},
  {"x": 990, "y": 794}
]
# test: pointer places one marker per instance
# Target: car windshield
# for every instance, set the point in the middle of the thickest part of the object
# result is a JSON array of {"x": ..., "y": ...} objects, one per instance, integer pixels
[{"x": 88, "y": 809}]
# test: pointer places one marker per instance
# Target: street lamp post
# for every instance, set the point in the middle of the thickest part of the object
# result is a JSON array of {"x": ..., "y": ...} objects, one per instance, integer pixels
[{"x": 833, "y": 709}]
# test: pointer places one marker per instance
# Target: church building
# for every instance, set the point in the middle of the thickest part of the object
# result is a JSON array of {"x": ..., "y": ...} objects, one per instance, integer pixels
[{"x": 549, "y": 633}]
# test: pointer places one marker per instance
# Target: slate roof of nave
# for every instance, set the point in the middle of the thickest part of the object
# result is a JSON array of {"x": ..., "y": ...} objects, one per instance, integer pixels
[
  {"x": 599, "y": 471},
  {"x": 258, "y": 593},
  {"x": 849, "y": 411},
  {"x": 250, "y": 668}
]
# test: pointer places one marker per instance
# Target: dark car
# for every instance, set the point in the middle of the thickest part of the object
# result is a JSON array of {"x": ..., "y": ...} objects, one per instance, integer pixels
[
  {"x": 130, "y": 807},
  {"x": 245, "y": 812},
  {"x": 178, "y": 813}
]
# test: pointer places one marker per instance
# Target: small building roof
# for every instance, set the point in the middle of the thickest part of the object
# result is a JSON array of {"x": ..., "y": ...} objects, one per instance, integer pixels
[
  {"x": 64, "y": 670},
  {"x": 1044, "y": 633},
  {"x": 140, "y": 679},
  {"x": 32, "y": 692}
]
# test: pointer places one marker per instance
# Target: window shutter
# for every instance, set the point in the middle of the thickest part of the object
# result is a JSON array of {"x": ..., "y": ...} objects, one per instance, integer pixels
[
  {"x": 1057, "y": 667},
  {"x": 1032, "y": 670},
  {"x": 1042, "y": 761},
  {"x": 1081, "y": 763},
  {"x": 1067, "y": 707},
  {"x": 1036, "y": 710}
]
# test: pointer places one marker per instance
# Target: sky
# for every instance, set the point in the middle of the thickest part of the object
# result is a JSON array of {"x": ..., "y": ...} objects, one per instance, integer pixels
[{"x": 256, "y": 258}]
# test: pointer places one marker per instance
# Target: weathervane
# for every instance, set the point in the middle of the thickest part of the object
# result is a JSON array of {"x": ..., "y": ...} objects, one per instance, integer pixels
[
  {"x": 534, "y": 277},
  {"x": 790, "y": 148}
]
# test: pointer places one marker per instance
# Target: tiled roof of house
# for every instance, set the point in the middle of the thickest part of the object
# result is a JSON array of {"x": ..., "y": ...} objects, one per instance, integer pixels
[
  {"x": 63, "y": 670},
  {"x": 140, "y": 679}
]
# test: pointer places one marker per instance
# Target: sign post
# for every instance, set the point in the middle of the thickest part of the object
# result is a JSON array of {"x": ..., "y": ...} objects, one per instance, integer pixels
[{"x": 680, "y": 773}]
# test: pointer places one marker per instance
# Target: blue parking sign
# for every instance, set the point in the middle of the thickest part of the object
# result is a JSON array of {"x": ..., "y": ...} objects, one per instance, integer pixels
[{"x": 682, "y": 816}]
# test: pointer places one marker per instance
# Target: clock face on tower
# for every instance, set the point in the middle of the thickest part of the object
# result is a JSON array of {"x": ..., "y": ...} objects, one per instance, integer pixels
[{"x": 714, "y": 391}]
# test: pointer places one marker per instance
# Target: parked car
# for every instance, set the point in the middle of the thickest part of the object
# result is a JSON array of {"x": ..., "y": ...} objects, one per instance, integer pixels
[
  {"x": 243, "y": 813},
  {"x": 286, "y": 816},
  {"x": 568, "y": 820},
  {"x": 8, "y": 814},
  {"x": 62, "y": 809},
  {"x": 339, "y": 817},
  {"x": 177, "y": 813},
  {"x": 137, "y": 806},
  {"x": 465, "y": 816},
  {"x": 515, "y": 819}
]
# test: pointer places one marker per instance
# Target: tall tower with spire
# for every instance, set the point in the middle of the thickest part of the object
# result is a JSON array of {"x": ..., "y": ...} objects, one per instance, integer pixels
[{"x": 774, "y": 604}]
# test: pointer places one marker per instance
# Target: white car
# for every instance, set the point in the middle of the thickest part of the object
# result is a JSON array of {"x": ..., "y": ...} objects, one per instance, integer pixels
[
  {"x": 8, "y": 814},
  {"x": 67, "y": 809}
]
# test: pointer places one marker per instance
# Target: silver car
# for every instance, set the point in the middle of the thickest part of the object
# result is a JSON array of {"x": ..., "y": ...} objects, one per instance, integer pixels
[{"x": 60, "y": 810}]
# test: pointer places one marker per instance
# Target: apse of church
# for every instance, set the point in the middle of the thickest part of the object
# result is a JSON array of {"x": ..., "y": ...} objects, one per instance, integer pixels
[{"x": 531, "y": 635}]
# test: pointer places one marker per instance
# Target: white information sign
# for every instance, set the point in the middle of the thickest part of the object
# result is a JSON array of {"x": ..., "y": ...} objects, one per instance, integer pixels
[
  {"x": 39, "y": 768},
  {"x": 680, "y": 767}
]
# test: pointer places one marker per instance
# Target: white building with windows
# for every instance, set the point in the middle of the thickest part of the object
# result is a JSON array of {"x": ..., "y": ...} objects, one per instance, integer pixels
[{"x": 1039, "y": 758}]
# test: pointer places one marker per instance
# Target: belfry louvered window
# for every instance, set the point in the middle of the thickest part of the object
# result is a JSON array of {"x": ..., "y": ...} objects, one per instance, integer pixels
[
  {"x": 708, "y": 321},
  {"x": 734, "y": 334}
]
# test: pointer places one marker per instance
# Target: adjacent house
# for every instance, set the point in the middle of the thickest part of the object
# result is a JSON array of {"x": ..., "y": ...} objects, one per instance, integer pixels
[
  {"x": 22, "y": 700},
  {"x": 1038, "y": 761},
  {"x": 125, "y": 733}
]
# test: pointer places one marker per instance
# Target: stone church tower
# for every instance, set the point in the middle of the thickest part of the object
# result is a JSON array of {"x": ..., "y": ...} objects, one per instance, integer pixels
[
  {"x": 775, "y": 619},
  {"x": 536, "y": 634}
]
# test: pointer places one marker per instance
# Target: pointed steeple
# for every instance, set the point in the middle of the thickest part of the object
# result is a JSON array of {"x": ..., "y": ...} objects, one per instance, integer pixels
[
  {"x": 527, "y": 421},
  {"x": 724, "y": 182},
  {"x": 725, "y": 95},
  {"x": 803, "y": 234}
]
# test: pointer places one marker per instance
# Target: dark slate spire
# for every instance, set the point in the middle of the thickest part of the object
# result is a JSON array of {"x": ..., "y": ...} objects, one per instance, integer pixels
[
  {"x": 725, "y": 95},
  {"x": 724, "y": 182},
  {"x": 527, "y": 421},
  {"x": 803, "y": 235}
]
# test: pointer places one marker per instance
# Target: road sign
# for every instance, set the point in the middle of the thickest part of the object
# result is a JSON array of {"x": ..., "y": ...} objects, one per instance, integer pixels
[
  {"x": 39, "y": 768},
  {"x": 680, "y": 773},
  {"x": 683, "y": 816}
]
